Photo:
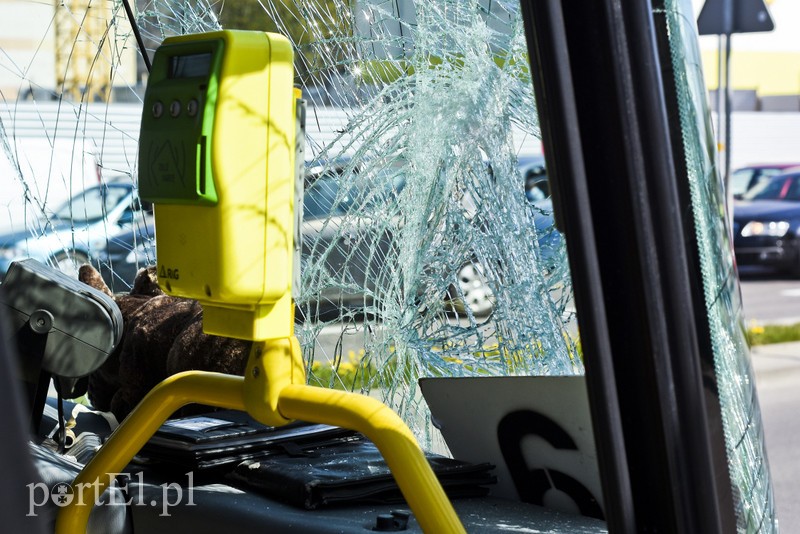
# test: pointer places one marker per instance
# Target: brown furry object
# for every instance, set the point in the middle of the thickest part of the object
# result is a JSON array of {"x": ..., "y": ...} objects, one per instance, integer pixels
[{"x": 163, "y": 335}]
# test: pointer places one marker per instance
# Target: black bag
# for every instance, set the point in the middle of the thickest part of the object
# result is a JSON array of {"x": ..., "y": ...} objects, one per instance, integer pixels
[{"x": 351, "y": 471}]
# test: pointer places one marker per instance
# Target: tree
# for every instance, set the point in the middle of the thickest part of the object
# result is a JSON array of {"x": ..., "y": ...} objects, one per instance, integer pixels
[{"x": 320, "y": 30}]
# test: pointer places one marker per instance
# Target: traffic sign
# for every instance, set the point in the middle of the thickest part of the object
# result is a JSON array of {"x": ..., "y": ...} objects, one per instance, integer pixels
[{"x": 724, "y": 17}]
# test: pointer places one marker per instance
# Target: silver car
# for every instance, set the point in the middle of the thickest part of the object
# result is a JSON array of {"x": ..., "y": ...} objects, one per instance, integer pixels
[
  {"x": 355, "y": 246},
  {"x": 75, "y": 232}
]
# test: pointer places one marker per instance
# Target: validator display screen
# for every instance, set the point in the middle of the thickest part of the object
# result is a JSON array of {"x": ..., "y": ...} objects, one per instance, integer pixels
[{"x": 190, "y": 66}]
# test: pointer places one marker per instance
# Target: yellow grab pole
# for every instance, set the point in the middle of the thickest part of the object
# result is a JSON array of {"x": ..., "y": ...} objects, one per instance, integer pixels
[
  {"x": 271, "y": 394},
  {"x": 214, "y": 389},
  {"x": 390, "y": 434}
]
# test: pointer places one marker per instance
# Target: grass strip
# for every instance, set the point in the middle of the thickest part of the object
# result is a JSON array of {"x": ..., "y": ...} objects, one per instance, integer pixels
[{"x": 775, "y": 333}]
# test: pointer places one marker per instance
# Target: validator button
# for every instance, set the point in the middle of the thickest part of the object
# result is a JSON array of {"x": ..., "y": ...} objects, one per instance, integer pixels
[
  {"x": 192, "y": 107},
  {"x": 175, "y": 108}
]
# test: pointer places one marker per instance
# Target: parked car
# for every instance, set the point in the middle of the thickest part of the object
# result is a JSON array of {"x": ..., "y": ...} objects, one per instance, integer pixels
[
  {"x": 352, "y": 261},
  {"x": 78, "y": 229},
  {"x": 766, "y": 225},
  {"x": 126, "y": 253},
  {"x": 751, "y": 178},
  {"x": 355, "y": 263}
]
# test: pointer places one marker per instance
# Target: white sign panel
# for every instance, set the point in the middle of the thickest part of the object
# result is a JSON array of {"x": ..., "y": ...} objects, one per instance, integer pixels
[{"x": 537, "y": 430}]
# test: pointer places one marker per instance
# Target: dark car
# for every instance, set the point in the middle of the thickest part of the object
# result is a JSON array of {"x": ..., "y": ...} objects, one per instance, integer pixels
[
  {"x": 766, "y": 226},
  {"x": 125, "y": 254},
  {"x": 353, "y": 262},
  {"x": 765, "y": 233},
  {"x": 752, "y": 178}
]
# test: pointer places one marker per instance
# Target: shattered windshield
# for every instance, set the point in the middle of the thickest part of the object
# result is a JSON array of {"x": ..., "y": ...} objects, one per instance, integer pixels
[{"x": 429, "y": 247}]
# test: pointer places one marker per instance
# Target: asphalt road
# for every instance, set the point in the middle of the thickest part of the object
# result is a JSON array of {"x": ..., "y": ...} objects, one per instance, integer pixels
[{"x": 769, "y": 298}]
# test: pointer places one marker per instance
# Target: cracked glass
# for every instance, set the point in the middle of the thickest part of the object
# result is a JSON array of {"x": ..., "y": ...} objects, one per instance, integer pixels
[
  {"x": 741, "y": 416},
  {"x": 429, "y": 247}
]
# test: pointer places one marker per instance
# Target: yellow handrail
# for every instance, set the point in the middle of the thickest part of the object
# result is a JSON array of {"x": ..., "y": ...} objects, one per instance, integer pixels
[
  {"x": 273, "y": 392},
  {"x": 214, "y": 389},
  {"x": 394, "y": 440}
]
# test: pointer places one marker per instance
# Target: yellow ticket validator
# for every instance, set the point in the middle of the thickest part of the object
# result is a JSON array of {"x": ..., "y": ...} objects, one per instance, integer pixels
[{"x": 217, "y": 158}]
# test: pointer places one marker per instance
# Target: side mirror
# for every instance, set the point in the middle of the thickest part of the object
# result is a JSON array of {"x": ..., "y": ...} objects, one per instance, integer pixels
[{"x": 537, "y": 188}]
